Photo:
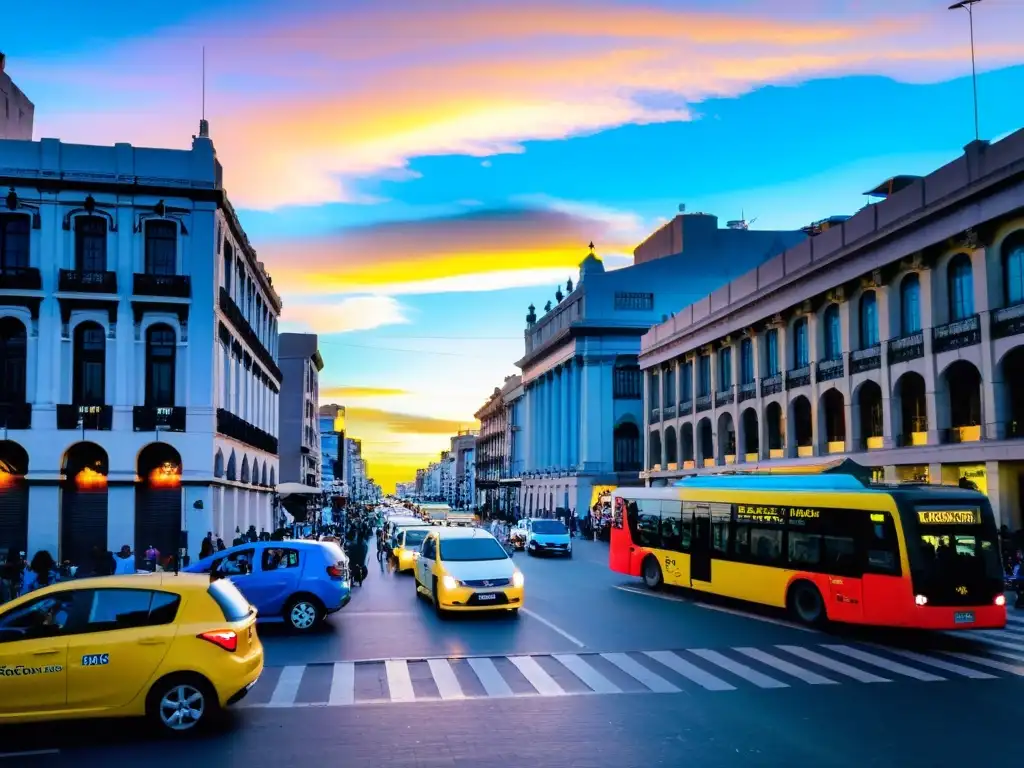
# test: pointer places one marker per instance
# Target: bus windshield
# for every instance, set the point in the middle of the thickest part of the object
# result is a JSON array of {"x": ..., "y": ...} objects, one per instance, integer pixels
[{"x": 954, "y": 554}]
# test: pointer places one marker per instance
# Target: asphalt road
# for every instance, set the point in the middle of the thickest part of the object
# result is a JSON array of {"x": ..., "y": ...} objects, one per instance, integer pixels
[{"x": 594, "y": 672}]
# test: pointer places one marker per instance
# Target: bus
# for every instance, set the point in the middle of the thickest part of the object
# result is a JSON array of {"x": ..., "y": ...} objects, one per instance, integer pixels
[{"x": 825, "y": 547}]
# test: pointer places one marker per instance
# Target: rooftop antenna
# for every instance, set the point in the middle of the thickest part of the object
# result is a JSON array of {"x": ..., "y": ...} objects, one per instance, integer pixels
[{"x": 204, "y": 127}]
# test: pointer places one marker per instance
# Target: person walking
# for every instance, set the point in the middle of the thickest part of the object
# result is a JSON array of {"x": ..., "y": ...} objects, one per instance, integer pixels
[{"x": 124, "y": 562}]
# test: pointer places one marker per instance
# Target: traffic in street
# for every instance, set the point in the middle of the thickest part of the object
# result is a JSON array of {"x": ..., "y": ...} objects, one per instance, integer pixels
[{"x": 595, "y": 670}]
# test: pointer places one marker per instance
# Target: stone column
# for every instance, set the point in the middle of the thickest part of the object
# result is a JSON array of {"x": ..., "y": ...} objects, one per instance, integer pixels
[
  {"x": 557, "y": 418},
  {"x": 564, "y": 423},
  {"x": 44, "y": 519},
  {"x": 936, "y": 408}
]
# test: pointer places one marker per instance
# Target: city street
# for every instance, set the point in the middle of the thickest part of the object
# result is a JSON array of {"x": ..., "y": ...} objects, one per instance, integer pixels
[{"x": 595, "y": 672}]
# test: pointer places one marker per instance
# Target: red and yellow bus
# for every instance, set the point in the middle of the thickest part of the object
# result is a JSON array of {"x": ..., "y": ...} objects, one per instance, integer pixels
[{"x": 829, "y": 546}]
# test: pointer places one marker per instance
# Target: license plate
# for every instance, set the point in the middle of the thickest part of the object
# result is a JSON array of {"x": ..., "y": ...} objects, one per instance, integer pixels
[
  {"x": 963, "y": 617},
  {"x": 490, "y": 596}
]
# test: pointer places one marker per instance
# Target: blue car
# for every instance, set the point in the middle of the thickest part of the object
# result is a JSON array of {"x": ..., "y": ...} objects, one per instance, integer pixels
[{"x": 298, "y": 582}]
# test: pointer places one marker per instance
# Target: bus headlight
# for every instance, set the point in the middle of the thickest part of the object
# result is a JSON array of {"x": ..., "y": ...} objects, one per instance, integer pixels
[
  {"x": 921, "y": 600},
  {"x": 518, "y": 579},
  {"x": 449, "y": 582},
  {"x": 1000, "y": 600}
]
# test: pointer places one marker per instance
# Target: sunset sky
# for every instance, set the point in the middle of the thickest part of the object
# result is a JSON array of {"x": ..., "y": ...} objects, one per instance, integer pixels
[{"x": 415, "y": 172}]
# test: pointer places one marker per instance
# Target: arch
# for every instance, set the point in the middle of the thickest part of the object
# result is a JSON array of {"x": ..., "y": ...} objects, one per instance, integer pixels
[
  {"x": 243, "y": 476},
  {"x": 13, "y": 361},
  {"x": 803, "y": 424},
  {"x": 833, "y": 332},
  {"x": 90, "y": 363},
  {"x": 751, "y": 437},
  {"x": 911, "y": 401},
  {"x": 726, "y": 435},
  {"x": 655, "y": 449},
  {"x": 671, "y": 446},
  {"x": 84, "y": 456},
  {"x": 910, "y": 304},
  {"x": 1012, "y": 253},
  {"x": 13, "y": 459},
  {"x": 963, "y": 390},
  {"x": 868, "y": 316},
  {"x": 161, "y": 361},
  {"x": 263, "y": 477},
  {"x": 158, "y": 499},
  {"x": 960, "y": 285},
  {"x": 869, "y": 407},
  {"x": 273, "y": 478},
  {"x": 1013, "y": 392},
  {"x": 775, "y": 426},
  {"x": 218, "y": 463},
  {"x": 13, "y": 497},
  {"x": 686, "y": 442},
  {"x": 83, "y": 506},
  {"x": 232, "y": 470},
  {"x": 705, "y": 440},
  {"x": 255, "y": 472},
  {"x": 833, "y": 411}
]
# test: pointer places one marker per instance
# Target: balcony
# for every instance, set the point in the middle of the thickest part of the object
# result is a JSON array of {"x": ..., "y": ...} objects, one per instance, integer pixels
[
  {"x": 238, "y": 429},
  {"x": 771, "y": 385},
  {"x": 627, "y": 384},
  {"x": 956, "y": 335},
  {"x": 85, "y": 417},
  {"x": 237, "y": 319},
  {"x": 906, "y": 348},
  {"x": 829, "y": 370},
  {"x": 686, "y": 408},
  {"x": 725, "y": 397},
  {"x": 798, "y": 377},
  {"x": 73, "y": 281},
  {"x": 868, "y": 359},
  {"x": 628, "y": 466},
  {"x": 655, "y": 415},
  {"x": 20, "y": 279},
  {"x": 171, "y": 286},
  {"x": 670, "y": 412},
  {"x": 1008, "y": 321},
  {"x": 148, "y": 418},
  {"x": 965, "y": 434},
  {"x": 703, "y": 403},
  {"x": 747, "y": 391},
  {"x": 16, "y": 415}
]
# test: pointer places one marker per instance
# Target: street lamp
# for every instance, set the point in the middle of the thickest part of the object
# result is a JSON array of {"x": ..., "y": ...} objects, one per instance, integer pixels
[{"x": 968, "y": 5}]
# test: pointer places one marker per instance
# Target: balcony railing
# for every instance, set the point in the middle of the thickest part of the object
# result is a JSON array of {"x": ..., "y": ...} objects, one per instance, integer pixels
[
  {"x": 747, "y": 391},
  {"x": 798, "y": 377},
  {"x": 87, "y": 417},
  {"x": 957, "y": 335},
  {"x": 20, "y": 279},
  {"x": 771, "y": 385},
  {"x": 627, "y": 384},
  {"x": 237, "y": 428},
  {"x": 655, "y": 415},
  {"x": 237, "y": 319},
  {"x": 1008, "y": 321},
  {"x": 628, "y": 466},
  {"x": 174, "y": 286},
  {"x": 867, "y": 359},
  {"x": 670, "y": 412},
  {"x": 906, "y": 348},
  {"x": 686, "y": 408},
  {"x": 829, "y": 370},
  {"x": 16, "y": 415},
  {"x": 148, "y": 418},
  {"x": 703, "y": 403},
  {"x": 75, "y": 281},
  {"x": 725, "y": 397}
]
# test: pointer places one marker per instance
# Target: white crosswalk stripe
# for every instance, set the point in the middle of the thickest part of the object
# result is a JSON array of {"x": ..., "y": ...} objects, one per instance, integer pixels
[{"x": 671, "y": 671}]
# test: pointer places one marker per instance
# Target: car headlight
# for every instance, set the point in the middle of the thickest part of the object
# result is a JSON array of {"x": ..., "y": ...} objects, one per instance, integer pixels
[
  {"x": 449, "y": 582},
  {"x": 518, "y": 579}
]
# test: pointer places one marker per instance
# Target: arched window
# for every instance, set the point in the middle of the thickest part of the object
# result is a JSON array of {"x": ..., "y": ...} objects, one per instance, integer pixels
[
  {"x": 161, "y": 248},
  {"x": 90, "y": 353},
  {"x": 161, "y": 349},
  {"x": 12, "y": 361},
  {"x": 910, "y": 304},
  {"x": 90, "y": 244},
  {"x": 1013, "y": 269},
  {"x": 801, "y": 350},
  {"x": 961, "y": 287},
  {"x": 833, "y": 337},
  {"x": 868, "y": 320}
]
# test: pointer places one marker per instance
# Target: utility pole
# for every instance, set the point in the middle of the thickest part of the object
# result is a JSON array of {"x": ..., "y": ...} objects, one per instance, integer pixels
[{"x": 968, "y": 5}]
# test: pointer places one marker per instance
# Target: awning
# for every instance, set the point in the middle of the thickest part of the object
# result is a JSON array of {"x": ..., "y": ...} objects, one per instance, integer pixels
[{"x": 296, "y": 489}]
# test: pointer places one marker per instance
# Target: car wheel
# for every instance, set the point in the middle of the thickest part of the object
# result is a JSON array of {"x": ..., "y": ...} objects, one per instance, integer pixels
[
  {"x": 805, "y": 604},
  {"x": 441, "y": 612},
  {"x": 514, "y": 613},
  {"x": 303, "y": 614},
  {"x": 182, "y": 704},
  {"x": 652, "y": 573}
]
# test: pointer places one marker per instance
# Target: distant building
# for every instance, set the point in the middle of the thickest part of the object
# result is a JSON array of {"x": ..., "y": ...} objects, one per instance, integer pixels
[
  {"x": 16, "y": 111},
  {"x": 492, "y": 449},
  {"x": 332, "y": 438},
  {"x": 299, "y": 429}
]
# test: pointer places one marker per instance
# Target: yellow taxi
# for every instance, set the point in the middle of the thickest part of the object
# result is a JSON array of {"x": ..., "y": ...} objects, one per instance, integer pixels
[
  {"x": 175, "y": 648},
  {"x": 407, "y": 543},
  {"x": 467, "y": 569}
]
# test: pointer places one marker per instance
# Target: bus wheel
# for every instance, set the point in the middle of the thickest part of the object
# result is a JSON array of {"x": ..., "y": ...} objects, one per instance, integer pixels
[
  {"x": 652, "y": 573},
  {"x": 805, "y": 604}
]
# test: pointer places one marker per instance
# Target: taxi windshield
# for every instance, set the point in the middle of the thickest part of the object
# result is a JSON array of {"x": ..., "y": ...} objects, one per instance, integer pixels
[
  {"x": 465, "y": 550},
  {"x": 550, "y": 527},
  {"x": 414, "y": 538}
]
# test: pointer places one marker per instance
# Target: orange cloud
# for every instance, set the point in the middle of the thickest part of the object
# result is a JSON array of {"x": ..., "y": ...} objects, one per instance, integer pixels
[
  {"x": 369, "y": 420},
  {"x": 349, "y": 393},
  {"x": 355, "y": 313},
  {"x": 321, "y": 100}
]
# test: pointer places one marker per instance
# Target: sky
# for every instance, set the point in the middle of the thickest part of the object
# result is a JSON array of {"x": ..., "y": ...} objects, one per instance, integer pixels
[{"x": 414, "y": 173}]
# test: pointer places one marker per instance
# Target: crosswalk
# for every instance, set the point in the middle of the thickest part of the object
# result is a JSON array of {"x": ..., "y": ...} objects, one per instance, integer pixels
[
  {"x": 1007, "y": 643},
  {"x": 396, "y": 681}
]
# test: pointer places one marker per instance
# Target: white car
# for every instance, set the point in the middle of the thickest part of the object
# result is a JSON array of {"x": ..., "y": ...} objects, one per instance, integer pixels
[{"x": 548, "y": 537}]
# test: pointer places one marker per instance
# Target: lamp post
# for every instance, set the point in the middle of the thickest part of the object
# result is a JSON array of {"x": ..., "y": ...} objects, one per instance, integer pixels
[{"x": 968, "y": 5}]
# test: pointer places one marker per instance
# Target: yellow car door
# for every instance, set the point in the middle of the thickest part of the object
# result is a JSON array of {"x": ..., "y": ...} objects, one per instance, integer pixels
[
  {"x": 127, "y": 635},
  {"x": 33, "y": 655}
]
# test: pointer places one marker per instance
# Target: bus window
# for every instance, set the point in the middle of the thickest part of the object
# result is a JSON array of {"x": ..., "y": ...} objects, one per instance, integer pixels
[
  {"x": 882, "y": 545},
  {"x": 759, "y": 545},
  {"x": 671, "y": 525},
  {"x": 685, "y": 537},
  {"x": 804, "y": 549},
  {"x": 648, "y": 524},
  {"x": 721, "y": 516},
  {"x": 632, "y": 514}
]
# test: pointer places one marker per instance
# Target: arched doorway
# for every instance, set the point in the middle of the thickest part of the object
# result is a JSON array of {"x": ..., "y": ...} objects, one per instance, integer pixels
[
  {"x": 655, "y": 445},
  {"x": 963, "y": 390},
  {"x": 833, "y": 411},
  {"x": 686, "y": 441},
  {"x": 158, "y": 500},
  {"x": 83, "y": 505},
  {"x": 776, "y": 429},
  {"x": 751, "y": 438},
  {"x": 1013, "y": 389},
  {"x": 626, "y": 440},
  {"x": 671, "y": 446},
  {"x": 803, "y": 426},
  {"x": 910, "y": 397},
  {"x": 705, "y": 442},
  {"x": 869, "y": 405},
  {"x": 13, "y": 499},
  {"x": 726, "y": 438}
]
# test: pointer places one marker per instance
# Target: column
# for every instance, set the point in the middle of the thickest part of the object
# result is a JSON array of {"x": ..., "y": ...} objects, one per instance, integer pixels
[
  {"x": 557, "y": 419},
  {"x": 121, "y": 517},
  {"x": 565, "y": 422},
  {"x": 528, "y": 428},
  {"x": 851, "y": 415},
  {"x": 590, "y": 435},
  {"x": 552, "y": 419},
  {"x": 883, "y": 300},
  {"x": 541, "y": 422},
  {"x": 43, "y": 520},
  {"x": 937, "y": 411}
]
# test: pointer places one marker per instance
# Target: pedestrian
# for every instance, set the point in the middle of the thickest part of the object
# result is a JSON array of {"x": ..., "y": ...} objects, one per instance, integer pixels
[
  {"x": 124, "y": 563},
  {"x": 41, "y": 572}
]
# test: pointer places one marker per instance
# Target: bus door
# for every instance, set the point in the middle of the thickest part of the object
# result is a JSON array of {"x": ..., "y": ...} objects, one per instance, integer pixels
[
  {"x": 621, "y": 546},
  {"x": 700, "y": 546}
]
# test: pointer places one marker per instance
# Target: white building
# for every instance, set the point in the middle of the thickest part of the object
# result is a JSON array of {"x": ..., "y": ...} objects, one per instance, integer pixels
[
  {"x": 299, "y": 455},
  {"x": 583, "y": 388},
  {"x": 138, "y": 334},
  {"x": 16, "y": 111}
]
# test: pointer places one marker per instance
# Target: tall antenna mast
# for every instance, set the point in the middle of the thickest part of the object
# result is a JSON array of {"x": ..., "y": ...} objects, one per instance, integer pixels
[{"x": 204, "y": 127}]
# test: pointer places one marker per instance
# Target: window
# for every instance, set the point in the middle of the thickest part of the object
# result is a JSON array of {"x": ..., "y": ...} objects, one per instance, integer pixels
[
  {"x": 472, "y": 550},
  {"x": 833, "y": 336},
  {"x": 721, "y": 515},
  {"x": 161, "y": 349},
  {"x": 868, "y": 320},
  {"x": 413, "y": 539},
  {"x": 648, "y": 523},
  {"x": 429, "y": 550},
  {"x": 759, "y": 545},
  {"x": 724, "y": 369},
  {"x": 669, "y": 377},
  {"x": 672, "y": 526},
  {"x": 90, "y": 354},
  {"x": 801, "y": 349},
  {"x": 1013, "y": 269},
  {"x": 90, "y": 244},
  {"x": 686, "y": 384},
  {"x": 236, "y": 564},
  {"x": 772, "y": 351},
  {"x": 45, "y": 617},
  {"x": 910, "y": 304},
  {"x": 747, "y": 361},
  {"x": 961, "y": 287},
  {"x": 278, "y": 559},
  {"x": 161, "y": 248},
  {"x": 12, "y": 361},
  {"x": 704, "y": 376},
  {"x": 14, "y": 241},
  {"x": 549, "y": 527},
  {"x": 804, "y": 549},
  {"x": 655, "y": 390},
  {"x": 883, "y": 554},
  {"x": 114, "y": 609},
  {"x": 228, "y": 267},
  {"x": 232, "y": 603}
]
